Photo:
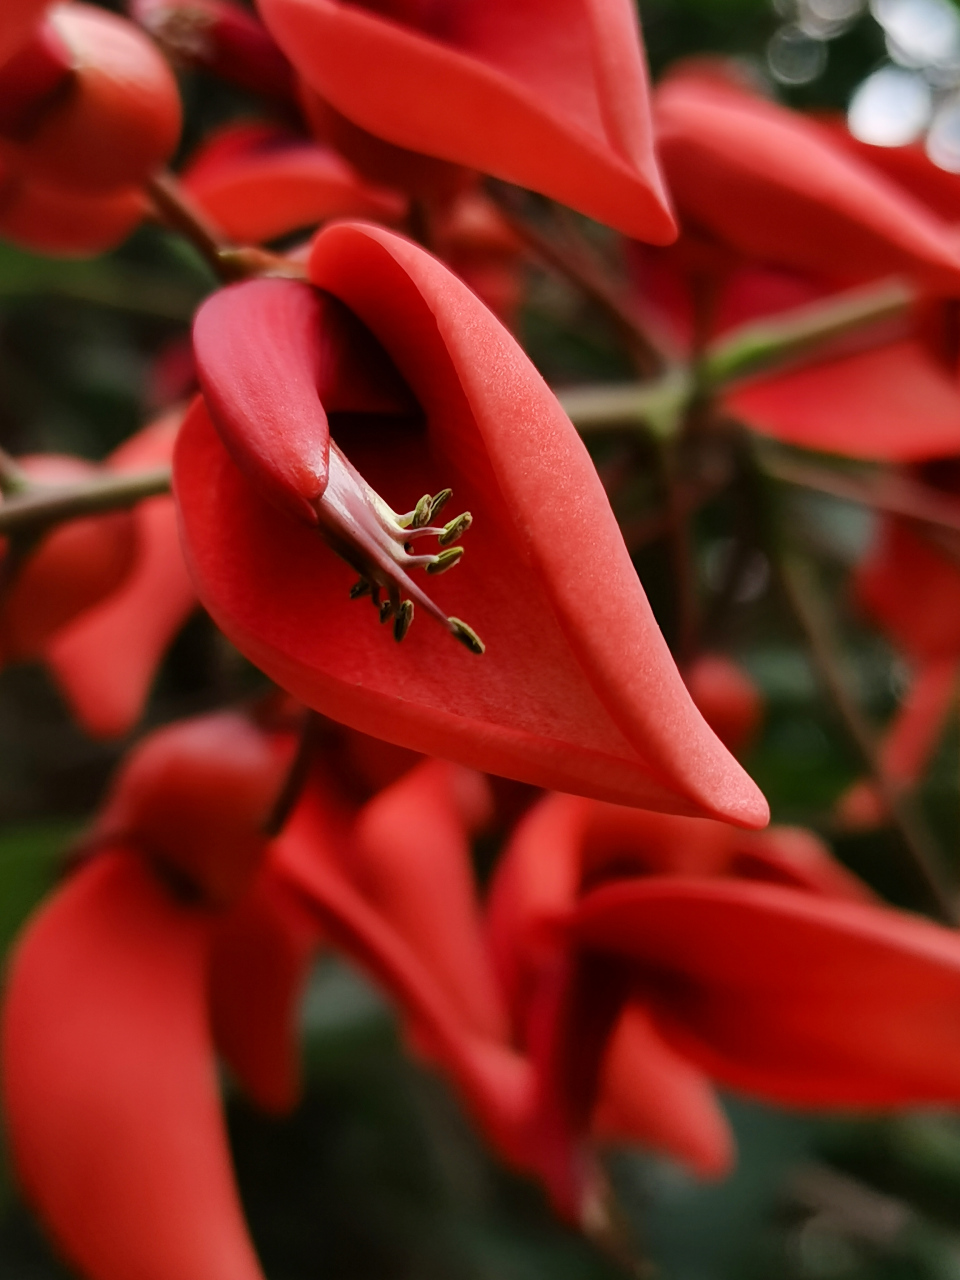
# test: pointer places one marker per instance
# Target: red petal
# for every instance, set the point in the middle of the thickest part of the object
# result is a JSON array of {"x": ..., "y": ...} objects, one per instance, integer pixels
[
  {"x": 110, "y": 1083},
  {"x": 552, "y": 96},
  {"x": 105, "y": 662},
  {"x": 652, "y": 1095},
  {"x": 261, "y": 958},
  {"x": 411, "y": 859},
  {"x": 269, "y": 186},
  {"x": 196, "y": 794},
  {"x": 494, "y": 1079},
  {"x": 893, "y": 402},
  {"x": 577, "y": 689},
  {"x": 775, "y": 186},
  {"x": 801, "y": 999}
]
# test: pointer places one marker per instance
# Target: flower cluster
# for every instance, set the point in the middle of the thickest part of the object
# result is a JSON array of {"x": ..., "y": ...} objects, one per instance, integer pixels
[{"x": 354, "y": 421}]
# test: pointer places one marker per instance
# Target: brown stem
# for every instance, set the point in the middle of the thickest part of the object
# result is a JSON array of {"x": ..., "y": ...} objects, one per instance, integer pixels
[
  {"x": 229, "y": 262},
  {"x": 803, "y": 594},
  {"x": 575, "y": 261},
  {"x": 40, "y": 507}
]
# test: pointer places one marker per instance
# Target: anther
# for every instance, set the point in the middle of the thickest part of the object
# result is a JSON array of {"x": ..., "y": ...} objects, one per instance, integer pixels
[
  {"x": 445, "y": 560},
  {"x": 466, "y": 635},
  {"x": 437, "y": 504},
  {"x": 386, "y": 610},
  {"x": 421, "y": 513},
  {"x": 455, "y": 529},
  {"x": 360, "y": 588},
  {"x": 401, "y": 623}
]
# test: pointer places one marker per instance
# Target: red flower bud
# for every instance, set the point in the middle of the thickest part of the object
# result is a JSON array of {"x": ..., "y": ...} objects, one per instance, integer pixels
[{"x": 119, "y": 118}]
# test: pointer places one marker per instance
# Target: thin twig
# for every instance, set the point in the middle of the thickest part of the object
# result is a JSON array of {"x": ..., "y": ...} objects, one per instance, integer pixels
[
  {"x": 804, "y": 597},
  {"x": 40, "y": 507},
  {"x": 229, "y": 262}
]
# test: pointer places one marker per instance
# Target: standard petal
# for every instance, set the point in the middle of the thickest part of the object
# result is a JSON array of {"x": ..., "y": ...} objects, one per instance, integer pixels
[
  {"x": 801, "y": 999},
  {"x": 110, "y": 1083},
  {"x": 577, "y": 689},
  {"x": 552, "y": 96}
]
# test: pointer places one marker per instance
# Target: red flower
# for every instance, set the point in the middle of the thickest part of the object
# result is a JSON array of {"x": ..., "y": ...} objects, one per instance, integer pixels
[
  {"x": 576, "y": 688},
  {"x": 125, "y": 1154},
  {"x": 727, "y": 699},
  {"x": 555, "y": 100}
]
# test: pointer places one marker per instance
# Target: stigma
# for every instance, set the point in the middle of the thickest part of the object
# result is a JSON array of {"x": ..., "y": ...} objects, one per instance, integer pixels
[{"x": 382, "y": 546}]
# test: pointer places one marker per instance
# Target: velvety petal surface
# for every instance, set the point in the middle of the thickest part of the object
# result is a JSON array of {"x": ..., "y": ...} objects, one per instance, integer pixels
[
  {"x": 110, "y": 1084},
  {"x": 552, "y": 96},
  {"x": 576, "y": 689}
]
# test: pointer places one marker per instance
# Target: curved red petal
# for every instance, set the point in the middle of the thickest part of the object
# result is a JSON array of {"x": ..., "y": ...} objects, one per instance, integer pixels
[
  {"x": 125, "y": 1152},
  {"x": 801, "y": 999},
  {"x": 552, "y": 96},
  {"x": 495, "y": 1080}
]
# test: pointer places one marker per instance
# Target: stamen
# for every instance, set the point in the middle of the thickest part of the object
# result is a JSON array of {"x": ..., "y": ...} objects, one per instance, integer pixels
[{"x": 377, "y": 542}]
